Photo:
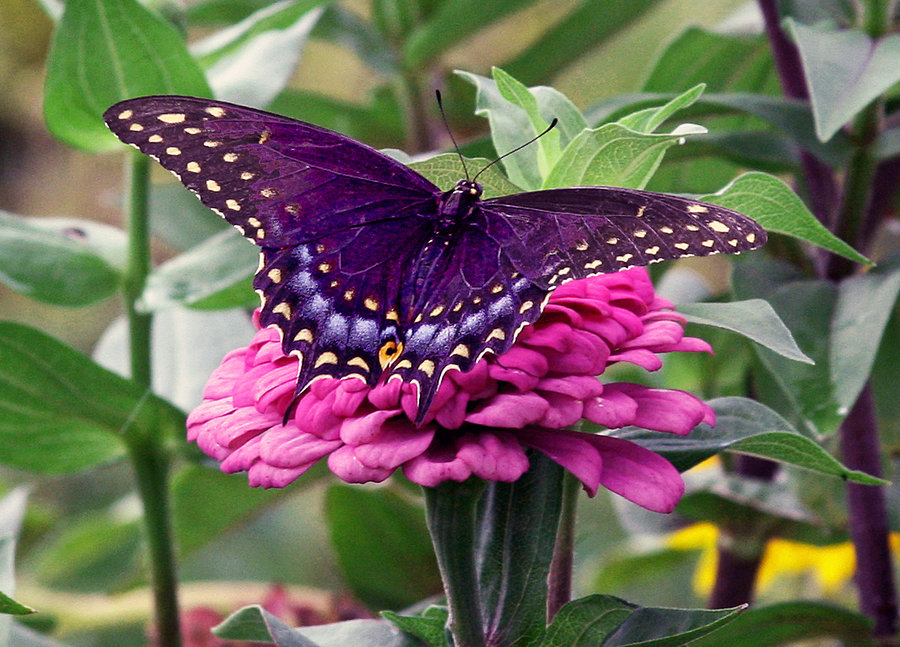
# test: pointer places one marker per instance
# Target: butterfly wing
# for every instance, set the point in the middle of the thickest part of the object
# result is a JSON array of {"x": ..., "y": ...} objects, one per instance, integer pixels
[
  {"x": 557, "y": 235},
  {"x": 338, "y": 222}
]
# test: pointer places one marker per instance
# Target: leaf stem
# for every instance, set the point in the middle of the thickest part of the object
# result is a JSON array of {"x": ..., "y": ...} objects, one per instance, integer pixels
[{"x": 559, "y": 582}]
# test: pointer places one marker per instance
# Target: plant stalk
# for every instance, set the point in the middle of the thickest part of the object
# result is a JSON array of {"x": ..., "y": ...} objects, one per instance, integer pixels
[
  {"x": 559, "y": 581},
  {"x": 147, "y": 454}
]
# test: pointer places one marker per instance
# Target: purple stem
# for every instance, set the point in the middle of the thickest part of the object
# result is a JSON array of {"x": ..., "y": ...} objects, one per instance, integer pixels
[
  {"x": 868, "y": 519},
  {"x": 820, "y": 182}
]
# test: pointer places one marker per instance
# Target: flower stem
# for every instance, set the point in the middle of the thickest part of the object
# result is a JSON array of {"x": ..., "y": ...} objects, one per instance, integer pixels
[
  {"x": 452, "y": 513},
  {"x": 559, "y": 582},
  {"x": 147, "y": 454}
]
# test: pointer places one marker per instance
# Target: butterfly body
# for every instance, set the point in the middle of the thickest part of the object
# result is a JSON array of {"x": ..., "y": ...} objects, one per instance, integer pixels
[{"x": 369, "y": 270}]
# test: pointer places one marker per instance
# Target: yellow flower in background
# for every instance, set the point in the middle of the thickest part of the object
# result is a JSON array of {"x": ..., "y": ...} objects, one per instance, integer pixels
[{"x": 831, "y": 566}]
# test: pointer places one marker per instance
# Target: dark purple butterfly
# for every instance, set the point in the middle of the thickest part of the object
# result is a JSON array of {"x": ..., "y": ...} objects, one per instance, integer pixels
[{"x": 370, "y": 270}]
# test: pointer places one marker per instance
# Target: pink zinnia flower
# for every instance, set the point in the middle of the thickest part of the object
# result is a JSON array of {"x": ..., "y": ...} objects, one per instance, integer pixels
[{"x": 481, "y": 422}]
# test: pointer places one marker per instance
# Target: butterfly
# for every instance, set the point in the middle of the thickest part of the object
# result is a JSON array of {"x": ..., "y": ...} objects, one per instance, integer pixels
[{"x": 369, "y": 270}]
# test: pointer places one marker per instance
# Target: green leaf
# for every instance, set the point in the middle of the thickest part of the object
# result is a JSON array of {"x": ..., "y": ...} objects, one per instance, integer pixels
[
  {"x": 787, "y": 622},
  {"x": 12, "y": 511},
  {"x": 548, "y": 146},
  {"x": 63, "y": 261},
  {"x": 446, "y": 170},
  {"x": 256, "y": 624},
  {"x": 511, "y": 125},
  {"x": 864, "y": 306},
  {"x": 586, "y": 27},
  {"x": 845, "y": 71},
  {"x": 431, "y": 626},
  {"x": 606, "y": 620},
  {"x": 60, "y": 412},
  {"x": 746, "y": 427},
  {"x": 611, "y": 155},
  {"x": 382, "y": 545},
  {"x": 649, "y": 119},
  {"x": 11, "y": 607},
  {"x": 106, "y": 51},
  {"x": 453, "y": 21},
  {"x": 213, "y": 266},
  {"x": 777, "y": 208},
  {"x": 343, "y": 27},
  {"x": 755, "y": 319},
  {"x": 251, "y": 62}
]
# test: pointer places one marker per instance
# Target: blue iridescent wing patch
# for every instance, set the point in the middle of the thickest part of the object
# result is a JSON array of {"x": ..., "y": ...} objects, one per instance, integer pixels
[{"x": 371, "y": 271}]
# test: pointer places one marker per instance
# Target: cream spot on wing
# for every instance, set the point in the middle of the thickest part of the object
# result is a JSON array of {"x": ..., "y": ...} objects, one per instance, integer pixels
[
  {"x": 326, "y": 358},
  {"x": 325, "y": 267},
  {"x": 392, "y": 315},
  {"x": 274, "y": 275},
  {"x": 212, "y": 143},
  {"x": 154, "y": 139},
  {"x": 268, "y": 192},
  {"x": 692, "y": 227},
  {"x": 708, "y": 243},
  {"x": 593, "y": 265},
  {"x": 461, "y": 350},
  {"x": 652, "y": 250},
  {"x": 232, "y": 204},
  {"x": 624, "y": 258},
  {"x": 304, "y": 335},
  {"x": 349, "y": 294},
  {"x": 497, "y": 288},
  {"x": 640, "y": 233},
  {"x": 403, "y": 363},
  {"x": 284, "y": 309},
  {"x": 751, "y": 238},
  {"x": 496, "y": 333},
  {"x": 172, "y": 117},
  {"x": 253, "y": 222},
  {"x": 681, "y": 246},
  {"x": 525, "y": 307},
  {"x": 360, "y": 362},
  {"x": 720, "y": 227},
  {"x": 612, "y": 241},
  {"x": 247, "y": 175},
  {"x": 126, "y": 114},
  {"x": 216, "y": 111},
  {"x": 135, "y": 128},
  {"x": 427, "y": 367},
  {"x": 666, "y": 230},
  {"x": 696, "y": 208},
  {"x": 260, "y": 233},
  {"x": 371, "y": 304},
  {"x": 193, "y": 130},
  {"x": 212, "y": 185},
  {"x": 293, "y": 209},
  {"x": 173, "y": 150},
  {"x": 230, "y": 157},
  {"x": 581, "y": 246},
  {"x": 458, "y": 306},
  {"x": 435, "y": 312},
  {"x": 193, "y": 167}
]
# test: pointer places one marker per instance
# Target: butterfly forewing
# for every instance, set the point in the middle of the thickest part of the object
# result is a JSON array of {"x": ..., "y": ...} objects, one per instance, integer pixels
[
  {"x": 279, "y": 181},
  {"x": 558, "y": 235}
]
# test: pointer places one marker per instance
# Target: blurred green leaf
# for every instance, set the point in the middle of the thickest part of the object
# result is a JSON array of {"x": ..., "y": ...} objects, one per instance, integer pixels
[
  {"x": 256, "y": 624},
  {"x": 454, "y": 21},
  {"x": 206, "y": 503},
  {"x": 864, "y": 305},
  {"x": 845, "y": 71},
  {"x": 98, "y": 553},
  {"x": 603, "y": 619},
  {"x": 754, "y": 319},
  {"x": 61, "y": 261},
  {"x": 213, "y": 266},
  {"x": 431, "y": 626},
  {"x": 222, "y": 12},
  {"x": 382, "y": 545},
  {"x": 378, "y": 122},
  {"x": 60, "y": 412},
  {"x": 346, "y": 28},
  {"x": 787, "y": 622},
  {"x": 589, "y": 25},
  {"x": 107, "y": 51},
  {"x": 251, "y": 62},
  {"x": 773, "y": 204}
]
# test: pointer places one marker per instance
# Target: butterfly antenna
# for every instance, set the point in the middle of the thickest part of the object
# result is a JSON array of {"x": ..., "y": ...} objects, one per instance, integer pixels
[
  {"x": 518, "y": 148},
  {"x": 450, "y": 132}
]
